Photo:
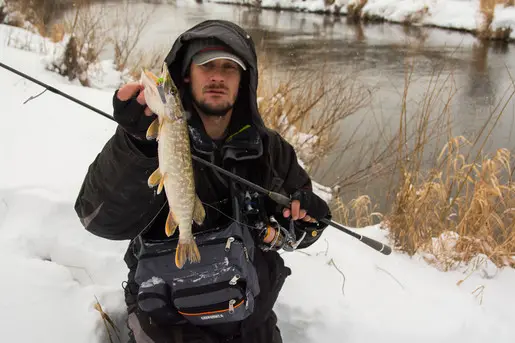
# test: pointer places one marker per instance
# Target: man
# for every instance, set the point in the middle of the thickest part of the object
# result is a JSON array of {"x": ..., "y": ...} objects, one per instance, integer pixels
[{"x": 214, "y": 65}]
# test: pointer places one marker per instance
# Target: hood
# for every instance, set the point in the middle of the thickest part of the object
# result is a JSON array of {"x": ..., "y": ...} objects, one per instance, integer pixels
[{"x": 246, "y": 111}]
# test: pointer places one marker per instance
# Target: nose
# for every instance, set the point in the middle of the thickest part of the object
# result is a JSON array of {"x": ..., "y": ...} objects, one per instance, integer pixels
[{"x": 216, "y": 75}]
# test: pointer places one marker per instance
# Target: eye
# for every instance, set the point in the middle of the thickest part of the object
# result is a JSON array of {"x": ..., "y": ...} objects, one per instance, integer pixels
[
  {"x": 207, "y": 66},
  {"x": 231, "y": 68}
]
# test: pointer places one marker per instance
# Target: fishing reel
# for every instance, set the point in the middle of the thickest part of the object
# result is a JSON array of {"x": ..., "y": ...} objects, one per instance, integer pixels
[
  {"x": 270, "y": 230},
  {"x": 278, "y": 236}
]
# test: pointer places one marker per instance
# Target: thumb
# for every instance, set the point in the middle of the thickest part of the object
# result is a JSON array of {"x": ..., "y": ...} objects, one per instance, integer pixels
[{"x": 128, "y": 90}]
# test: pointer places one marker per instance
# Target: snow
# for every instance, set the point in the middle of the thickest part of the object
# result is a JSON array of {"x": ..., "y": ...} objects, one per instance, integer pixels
[
  {"x": 452, "y": 14},
  {"x": 504, "y": 17},
  {"x": 53, "y": 270}
]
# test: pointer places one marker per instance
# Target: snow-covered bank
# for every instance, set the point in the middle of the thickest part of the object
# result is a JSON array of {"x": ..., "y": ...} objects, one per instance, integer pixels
[
  {"x": 450, "y": 14},
  {"x": 52, "y": 269}
]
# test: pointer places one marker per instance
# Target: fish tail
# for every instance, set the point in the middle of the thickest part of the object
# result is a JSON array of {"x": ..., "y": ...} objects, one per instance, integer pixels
[{"x": 187, "y": 250}]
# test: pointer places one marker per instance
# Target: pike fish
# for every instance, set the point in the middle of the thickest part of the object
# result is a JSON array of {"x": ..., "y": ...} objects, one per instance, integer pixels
[{"x": 175, "y": 171}]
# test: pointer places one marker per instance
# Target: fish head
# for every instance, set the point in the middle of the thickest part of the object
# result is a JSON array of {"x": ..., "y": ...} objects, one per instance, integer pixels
[
  {"x": 161, "y": 94},
  {"x": 170, "y": 94}
]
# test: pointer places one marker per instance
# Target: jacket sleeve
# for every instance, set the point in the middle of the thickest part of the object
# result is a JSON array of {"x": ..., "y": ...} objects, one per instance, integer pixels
[
  {"x": 115, "y": 201},
  {"x": 294, "y": 178}
]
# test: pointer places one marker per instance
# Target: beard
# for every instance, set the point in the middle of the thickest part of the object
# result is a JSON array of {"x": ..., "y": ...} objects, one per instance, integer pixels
[
  {"x": 213, "y": 111},
  {"x": 219, "y": 110}
]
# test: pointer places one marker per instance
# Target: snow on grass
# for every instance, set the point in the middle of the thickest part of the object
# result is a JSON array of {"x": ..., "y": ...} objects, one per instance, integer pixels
[
  {"x": 452, "y": 14},
  {"x": 52, "y": 269}
]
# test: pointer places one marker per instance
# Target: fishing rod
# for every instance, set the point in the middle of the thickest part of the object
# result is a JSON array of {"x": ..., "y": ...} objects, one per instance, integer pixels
[
  {"x": 54, "y": 90},
  {"x": 277, "y": 197}
]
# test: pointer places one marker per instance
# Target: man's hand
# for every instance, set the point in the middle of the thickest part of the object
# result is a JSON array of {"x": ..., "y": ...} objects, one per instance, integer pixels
[
  {"x": 306, "y": 206},
  {"x": 298, "y": 213},
  {"x": 131, "y": 111},
  {"x": 128, "y": 90}
]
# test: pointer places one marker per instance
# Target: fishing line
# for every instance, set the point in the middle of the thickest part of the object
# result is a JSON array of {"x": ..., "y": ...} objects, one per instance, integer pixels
[
  {"x": 203, "y": 203},
  {"x": 231, "y": 218},
  {"x": 277, "y": 197},
  {"x": 151, "y": 221}
]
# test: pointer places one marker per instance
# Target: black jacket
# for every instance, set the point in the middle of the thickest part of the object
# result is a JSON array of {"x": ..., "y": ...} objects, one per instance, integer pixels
[{"x": 116, "y": 203}]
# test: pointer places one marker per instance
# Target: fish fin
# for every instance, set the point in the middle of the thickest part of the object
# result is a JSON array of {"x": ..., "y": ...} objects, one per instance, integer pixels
[
  {"x": 161, "y": 184},
  {"x": 155, "y": 178},
  {"x": 153, "y": 130},
  {"x": 187, "y": 250},
  {"x": 160, "y": 126},
  {"x": 171, "y": 224},
  {"x": 199, "y": 213}
]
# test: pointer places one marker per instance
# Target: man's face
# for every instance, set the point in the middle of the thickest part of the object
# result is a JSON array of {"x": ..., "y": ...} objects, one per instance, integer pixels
[{"x": 214, "y": 86}]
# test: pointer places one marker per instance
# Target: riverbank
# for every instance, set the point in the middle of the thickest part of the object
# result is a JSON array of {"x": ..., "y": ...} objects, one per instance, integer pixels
[
  {"x": 458, "y": 15},
  {"x": 57, "y": 271},
  {"x": 383, "y": 56}
]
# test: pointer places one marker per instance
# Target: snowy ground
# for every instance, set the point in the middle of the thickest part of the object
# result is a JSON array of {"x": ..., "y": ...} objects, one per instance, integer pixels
[
  {"x": 455, "y": 14},
  {"x": 52, "y": 269}
]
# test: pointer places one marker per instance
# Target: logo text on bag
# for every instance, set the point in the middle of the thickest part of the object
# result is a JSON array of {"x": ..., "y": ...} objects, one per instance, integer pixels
[{"x": 212, "y": 316}]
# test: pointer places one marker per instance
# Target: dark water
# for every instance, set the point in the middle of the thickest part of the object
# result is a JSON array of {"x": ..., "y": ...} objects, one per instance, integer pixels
[{"x": 478, "y": 73}]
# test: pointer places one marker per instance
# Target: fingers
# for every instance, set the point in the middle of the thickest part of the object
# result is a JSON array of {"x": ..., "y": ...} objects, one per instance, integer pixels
[
  {"x": 295, "y": 209},
  {"x": 128, "y": 90},
  {"x": 297, "y": 213},
  {"x": 141, "y": 98},
  {"x": 309, "y": 219}
]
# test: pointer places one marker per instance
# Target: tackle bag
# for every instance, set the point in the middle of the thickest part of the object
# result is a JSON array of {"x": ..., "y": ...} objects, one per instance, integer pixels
[{"x": 219, "y": 289}]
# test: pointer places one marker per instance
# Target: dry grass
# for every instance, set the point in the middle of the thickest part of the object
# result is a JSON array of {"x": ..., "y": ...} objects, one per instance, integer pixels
[
  {"x": 125, "y": 34},
  {"x": 90, "y": 31},
  {"x": 487, "y": 9},
  {"x": 359, "y": 212},
  {"x": 149, "y": 59},
  {"x": 38, "y": 13},
  {"x": 3, "y": 12},
  {"x": 474, "y": 200},
  {"x": 460, "y": 207},
  {"x": 88, "y": 37},
  {"x": 57, "y": 33},
  {"x": 354, "y": 9},
  {"x": 109, "y": 325},
  {"x": 306, "y": 107}
]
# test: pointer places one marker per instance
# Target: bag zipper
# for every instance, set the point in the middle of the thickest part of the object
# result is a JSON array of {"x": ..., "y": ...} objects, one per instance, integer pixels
[
  {"x": 228, "y": 242},
  {"x": 208, "y": 309},
  {"x": 188, "y": 292},
  {"x": 231, "y": 306}
]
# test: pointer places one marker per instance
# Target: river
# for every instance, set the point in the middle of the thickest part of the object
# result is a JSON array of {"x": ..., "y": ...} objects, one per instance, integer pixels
[{"x": 378, "y": 53}]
